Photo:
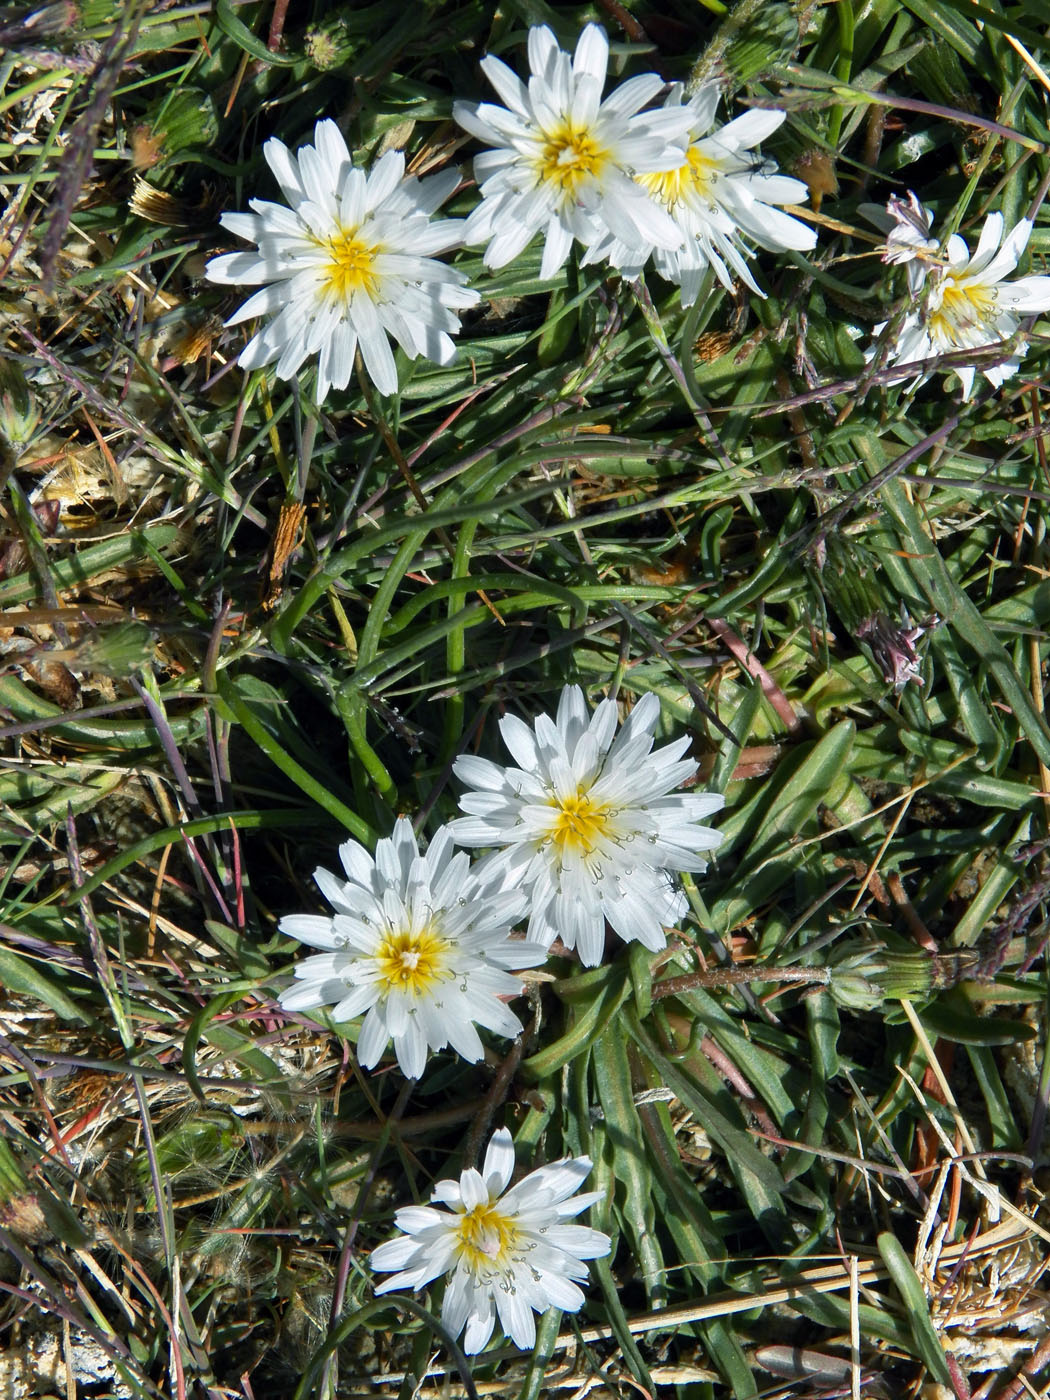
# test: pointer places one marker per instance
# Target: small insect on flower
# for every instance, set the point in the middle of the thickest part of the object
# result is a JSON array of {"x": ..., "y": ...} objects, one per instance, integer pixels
[
  {"x": 969, "y": 305},
  {"x": 509, "y": 1253},
  {"x": 563, "y": 159},
  {"x": 419, "y": 945},
  {"x": 348, "y": 265},
  {"x": 588, "y": 825},
  {"x": 719, "y": 195}
]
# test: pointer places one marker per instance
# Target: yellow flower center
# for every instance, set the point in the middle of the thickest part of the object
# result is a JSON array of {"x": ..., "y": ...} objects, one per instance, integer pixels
[
  {"x": 570, "y": 156},
  {"x": 485, "y": 1237},
  {"x": 579, "y": 824},
  {"x": 696, "y": 175},
  {"x": 412, "y": 962},
  {"x": 351, "y": 267},
  {"x": 963, "y": 307}
]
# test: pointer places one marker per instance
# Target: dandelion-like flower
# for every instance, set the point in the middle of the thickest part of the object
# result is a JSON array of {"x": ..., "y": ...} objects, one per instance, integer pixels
[
  {"x": 906, "y": 224},
  {"x": 419, "y": 946},
  {"x": 348, "y": 265},
  {"x": 563, "y": 158},
  {"x": 968, "y": 304},
  {"x": 588, "y": 825},
  {"x": 719, "y": 195},
  {"x": 508, "y": 1252}
]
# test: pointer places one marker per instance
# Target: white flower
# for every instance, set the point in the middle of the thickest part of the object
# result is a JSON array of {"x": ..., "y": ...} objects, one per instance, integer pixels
[
  {"x": 718, "y": 195},
  {"x": 509, "y": 1253},
  {"x": 906, "y": 224},
  {"x": 564, "y": 159},
  {"x": 588, "y": 827},
  {"x": 968, "y": 305},
  {"x": 346, "y": 266},
  {"x": 418, "y": 946}
]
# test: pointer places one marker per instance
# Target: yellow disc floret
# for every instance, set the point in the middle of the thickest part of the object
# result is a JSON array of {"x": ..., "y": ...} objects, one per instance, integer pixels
[
  {"x": 696, "y": 175},
  {"x": 412, "y": 962},
  {"x": 486, "y": 1238},
  {"x": 569, "y": 156},
  {"x": 964, "y": 307},
  {"x": 578, "y": 824},
  {"x": 351, "y": 266}
]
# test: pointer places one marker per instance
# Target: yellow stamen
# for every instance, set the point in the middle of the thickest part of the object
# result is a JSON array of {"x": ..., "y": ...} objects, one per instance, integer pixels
[
  {"x": 579, "y": 825},
  {"x": 412, "y": 962},
  {"x": 351, "y": 268},
  {"x": 963, "y": 307},
  {"x": 570, "y": 156},
  {"x": 695, "y": 175},
  {"x": 486, "y": 1237}
]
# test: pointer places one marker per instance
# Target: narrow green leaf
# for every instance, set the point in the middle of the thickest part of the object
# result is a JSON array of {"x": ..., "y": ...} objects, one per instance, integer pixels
[
  {"x": 306, "y": 782},
  {"x": 19, "y": 974},
  {"x": 1002, "y": 1118},
  {"x": 640, "y": 960},
  {"x": 954, "y": 607},
  {"x": 619, "y": 1323},
  {"x": 91, "y": 561},
  {"x": 953, "y": 1019},
  {"x": 239, "y": 32},
  {"x": 612, "y": 1075},
  {"x": 587, "y": 1028},
  {"x": 757, "y": 1176},
  {"x": 195, "y": 1030},
  {"x": 741, "y": 724},
  {"x": 906, "y": 1280},
  {"x": 802, "y": 783},
  {"x": 997, "y": 884},
  {"x": 822, "y": 1021},
  {"x": 700, "y": 1242},
  {"x": 278, "y": 817}
]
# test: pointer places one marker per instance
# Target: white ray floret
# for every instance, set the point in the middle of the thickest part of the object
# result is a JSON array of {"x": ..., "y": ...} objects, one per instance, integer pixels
[
  {"x": 509, "y": 1253},
  {"x": 562, "y": 160},
  {"x": 588, "y": 824},
  {"x": 969, "y": 304},
  {"x": 347, "y": 265},
  {"x": 419, "y": 946},
  {"x": 720, "y": 196}
]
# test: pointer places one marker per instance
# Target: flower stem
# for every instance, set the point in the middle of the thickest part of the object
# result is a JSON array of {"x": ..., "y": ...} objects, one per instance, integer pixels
[
  {"x": 651, "y": 316},
  {"x": 735, "y": 976}
]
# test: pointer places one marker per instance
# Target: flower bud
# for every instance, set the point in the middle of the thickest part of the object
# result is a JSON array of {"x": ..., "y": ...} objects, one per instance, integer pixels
[
  {"x": 18, "y": 412},
  {"x": 865, "y": 972}
]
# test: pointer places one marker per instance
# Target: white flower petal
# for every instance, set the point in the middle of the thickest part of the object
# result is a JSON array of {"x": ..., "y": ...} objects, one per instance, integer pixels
[
  {"x": 715, "y": 198},
  {"x": 506, "y": 1252},
  {"x": 507, "y": 83},
  {"x": 309, "y": 928},
  {"x": 589, "y": 826},
  {"x": 236, "y": 269},
  {"x": 421, "y": 943},
  {"x": 967, "y": 304},
  {"x": 1026, "y": 294},
  {"x": 987, "y": 244},
  {"x": 563, "y": 157},
  {"x": 591, "y": 58},
  {"x": 347, "y": 264},
  {"x": 555, "y": 250},
  {"x": 499, "y": 1162},
  {"x": 516, "y": 1318}
]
